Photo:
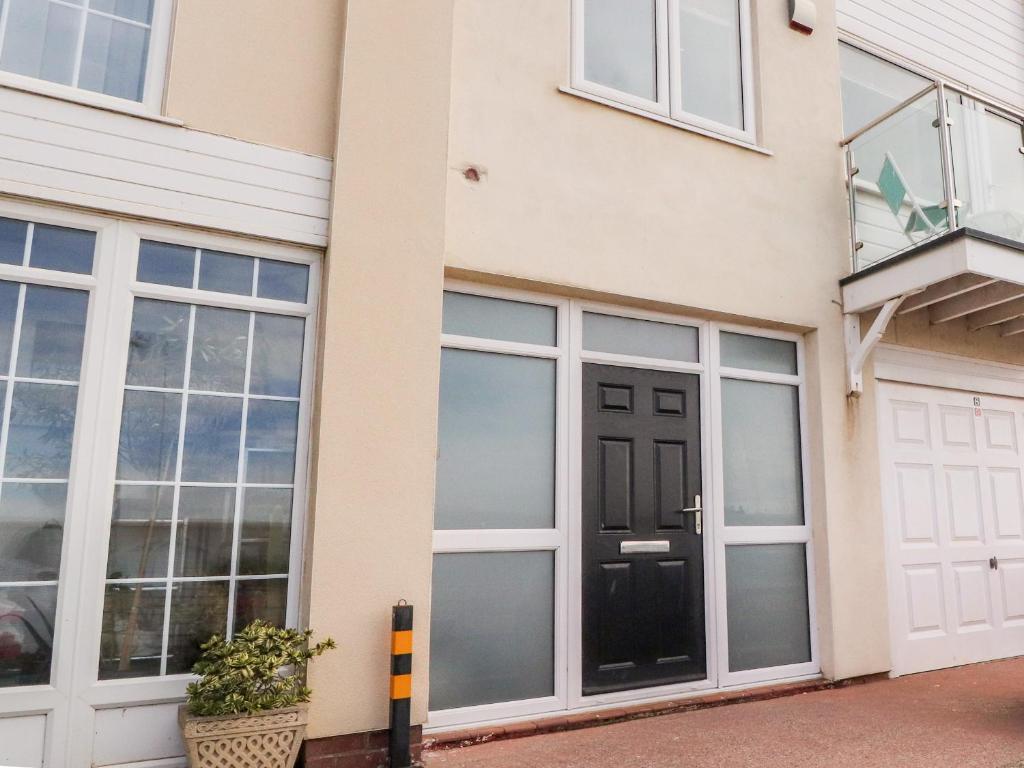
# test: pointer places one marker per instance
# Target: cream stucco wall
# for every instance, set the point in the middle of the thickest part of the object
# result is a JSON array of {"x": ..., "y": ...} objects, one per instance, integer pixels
[
  {"x": 586, "y": 198},
  {"x": 574, "y": 198},
  {"x": 259, "y": 70},
  {"x": 377, "y": 412}
]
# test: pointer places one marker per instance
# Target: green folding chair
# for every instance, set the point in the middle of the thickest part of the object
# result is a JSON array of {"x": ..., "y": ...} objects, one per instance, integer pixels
[{"x": 930, "y": 219}]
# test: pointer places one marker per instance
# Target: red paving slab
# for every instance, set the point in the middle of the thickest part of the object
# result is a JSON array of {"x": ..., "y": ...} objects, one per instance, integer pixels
[{"x": 969, "y": 717}]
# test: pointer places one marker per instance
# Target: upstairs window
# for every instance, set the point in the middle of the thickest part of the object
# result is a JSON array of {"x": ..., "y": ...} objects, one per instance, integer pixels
[
  {"x": 686, "y": 60},
  {"x": 109, "y": 47}
]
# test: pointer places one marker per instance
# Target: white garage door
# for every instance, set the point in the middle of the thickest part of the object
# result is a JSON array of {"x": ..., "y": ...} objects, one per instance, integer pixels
[{"x": 952, "y": 466}]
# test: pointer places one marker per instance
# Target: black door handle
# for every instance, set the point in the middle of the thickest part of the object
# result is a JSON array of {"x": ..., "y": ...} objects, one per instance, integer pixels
[{"x": 993, "y": 563}]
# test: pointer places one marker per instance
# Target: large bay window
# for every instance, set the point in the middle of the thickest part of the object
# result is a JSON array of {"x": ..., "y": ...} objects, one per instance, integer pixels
[
  {"x": 155, "y": 393},
  {"x": 684, "y": 60}
]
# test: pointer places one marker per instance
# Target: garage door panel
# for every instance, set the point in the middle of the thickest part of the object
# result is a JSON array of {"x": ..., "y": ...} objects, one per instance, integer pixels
[
  {"x": 911, "y": 426},
  {"x": 1011, "y": 584},
  {"x": 973, "y": 600},
  {"x": 957, "y": 428},
  {"x": 1007, "y": 502},
  {"x": 1000, "y": 433},
  {"x": 953, "y": 479},
  {"x": 963, "y": 497},
  {"x": 926, "y": 601},
  {"x": 917, "y": 508}
]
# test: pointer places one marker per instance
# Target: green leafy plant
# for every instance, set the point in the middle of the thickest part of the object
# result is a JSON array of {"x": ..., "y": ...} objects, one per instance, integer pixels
[{"x": 261, "y": 668}]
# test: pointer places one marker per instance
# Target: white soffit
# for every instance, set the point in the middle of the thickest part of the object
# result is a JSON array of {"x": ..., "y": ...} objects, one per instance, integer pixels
[
  {"x": 964, "y": 274},
  {"x": 68, "y": 153},
  {"x": 961, "y": 274}
]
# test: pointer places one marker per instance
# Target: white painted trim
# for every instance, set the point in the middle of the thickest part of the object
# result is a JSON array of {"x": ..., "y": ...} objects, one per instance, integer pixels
[
  {"x": 906, "y": 276},
  {"x": 667, "y": 107},
  {"x": 31, "y": 85},
  {"x": 566, "y": 542},
  {"x": 439, "y": 728},
  {"x": 586, "y": 96},
  {"x": 498, "y": 540},
  {"x": 858, "y": 349},
  {"x": 490, "y": 713},
  {"x": 478, "y": 344},
  {"x": 936, "y": 369},
  {"x": 61, "y": 152}
]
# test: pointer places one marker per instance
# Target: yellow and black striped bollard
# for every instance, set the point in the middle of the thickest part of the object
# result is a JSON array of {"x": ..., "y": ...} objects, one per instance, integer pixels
[{"x": 401, "y": 685}]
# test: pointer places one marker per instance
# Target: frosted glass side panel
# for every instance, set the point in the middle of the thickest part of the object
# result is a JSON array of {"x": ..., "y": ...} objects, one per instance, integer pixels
[
  {"x": 766, "y": 590},
  {"x": 491, "y": 628},
  {"x": 758, "y": 353},
  {"x": 496, "y": 442},
  {"x": 619, "y": 49},
  {"x": 761, "y": 451},
  {"x": 709, "y": 60},
  {"x": 487, "y": 318},
  {"x": 643, "y": 338}
]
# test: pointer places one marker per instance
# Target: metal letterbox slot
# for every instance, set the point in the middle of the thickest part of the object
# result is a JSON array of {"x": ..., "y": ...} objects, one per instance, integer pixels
[{"x": 632, "y": 547}]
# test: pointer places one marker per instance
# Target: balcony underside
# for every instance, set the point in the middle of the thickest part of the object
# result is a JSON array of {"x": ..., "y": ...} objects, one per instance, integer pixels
[{"x": 962, "y": 274}]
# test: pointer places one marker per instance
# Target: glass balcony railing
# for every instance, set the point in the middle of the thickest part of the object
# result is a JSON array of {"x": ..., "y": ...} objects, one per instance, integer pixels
[{"x": 939, "y": 161}]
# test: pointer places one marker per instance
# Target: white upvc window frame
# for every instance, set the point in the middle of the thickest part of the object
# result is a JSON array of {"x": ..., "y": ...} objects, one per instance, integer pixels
[
  {"x": 739, "y": 535},
  {"x": 75, "y": 693},
  {"x": 668, "y": 106},
  {"x": 522, "y": 539},
  {"x": 565, "y": 539},
  {"x": 151, "y": 104}
]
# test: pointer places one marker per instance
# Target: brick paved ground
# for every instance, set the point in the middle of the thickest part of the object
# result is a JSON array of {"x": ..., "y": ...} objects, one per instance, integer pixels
[{"x": 969, "y": 717}]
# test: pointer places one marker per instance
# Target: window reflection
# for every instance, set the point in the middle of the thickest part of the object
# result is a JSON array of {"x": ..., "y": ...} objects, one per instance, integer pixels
[{"x": 193, "y": 495}]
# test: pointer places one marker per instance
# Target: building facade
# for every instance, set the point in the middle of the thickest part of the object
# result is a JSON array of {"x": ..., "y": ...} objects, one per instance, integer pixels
[{"x": 647, "y": 349}]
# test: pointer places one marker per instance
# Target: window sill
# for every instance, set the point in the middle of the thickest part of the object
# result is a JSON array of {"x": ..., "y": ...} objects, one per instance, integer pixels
[
  {"x": 665, "y": 120},
  {"x": 83, "y": 98}
]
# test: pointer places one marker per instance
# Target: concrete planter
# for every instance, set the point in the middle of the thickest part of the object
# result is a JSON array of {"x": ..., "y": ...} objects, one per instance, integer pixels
[{"x": 263, "y": 740}]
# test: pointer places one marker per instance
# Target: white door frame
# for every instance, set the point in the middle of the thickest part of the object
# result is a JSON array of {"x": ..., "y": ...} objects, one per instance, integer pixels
[
  {"x": 579, "y": 357},
  {"x": 566, "y": 540}
]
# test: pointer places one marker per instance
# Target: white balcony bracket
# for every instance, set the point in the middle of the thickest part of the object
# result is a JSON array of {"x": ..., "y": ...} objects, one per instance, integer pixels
[{"x": 858, "y": 349}]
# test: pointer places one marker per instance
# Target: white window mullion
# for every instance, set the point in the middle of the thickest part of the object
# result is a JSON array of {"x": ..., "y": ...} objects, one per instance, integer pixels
[
  {"x": 5, "y": 421},
  {"x": 4, "y": 13},
  {"x": 664, "y": 49},
  {"x": 240, "y": 482},
  {"x": 190, "y": 336},
  {"x": 29, "y": 237},
  {"x": 498, "y": 540},
  {"x": 80, "y": 43},
  {"x": 747, "y": 70}
]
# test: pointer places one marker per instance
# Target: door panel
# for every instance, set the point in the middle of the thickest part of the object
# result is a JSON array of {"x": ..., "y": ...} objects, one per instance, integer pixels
[
  {"x": 643, "y": 611},
  {"x": 954, "y": 504}
]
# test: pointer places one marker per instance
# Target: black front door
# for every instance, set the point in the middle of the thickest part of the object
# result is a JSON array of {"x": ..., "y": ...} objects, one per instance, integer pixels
[{"x": 643, "y": 555}]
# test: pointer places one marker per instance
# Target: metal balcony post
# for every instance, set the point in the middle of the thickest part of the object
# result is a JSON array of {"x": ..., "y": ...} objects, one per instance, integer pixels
[
  {"x": 945, "y": 149},
  {"x": 851, "y": 172}
]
